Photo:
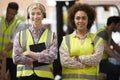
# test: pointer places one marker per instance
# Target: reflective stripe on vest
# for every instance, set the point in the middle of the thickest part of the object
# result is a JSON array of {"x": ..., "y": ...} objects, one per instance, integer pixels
[
  {"x": 27, "y": 70},
  {"x": 1, "y": 23},
  {"x": 6, "y": 33},
  {"x": 105, "y": 55},
  {"x": 90, "y": 73},
  {"x": 79, "y": 76}
]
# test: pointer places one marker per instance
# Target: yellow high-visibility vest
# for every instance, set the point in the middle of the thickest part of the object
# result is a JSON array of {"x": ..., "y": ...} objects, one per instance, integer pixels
[
  {"x": 76, "y": 49},
  {"x": 27, "y": 70},
  {"x": 6, "y": 33},
  {"x": 105, "y": 55}
]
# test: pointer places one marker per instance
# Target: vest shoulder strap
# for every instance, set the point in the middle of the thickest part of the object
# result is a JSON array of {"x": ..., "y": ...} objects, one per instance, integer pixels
[
  {"x": 1, "y": 22},
  {"x": 49, "y": 36},
  {"x": 23, "y": 40},
  {"x": 95, "y": 40},
  {"x": 2, "y": 19},
  {"x": 68, "y": 42}
]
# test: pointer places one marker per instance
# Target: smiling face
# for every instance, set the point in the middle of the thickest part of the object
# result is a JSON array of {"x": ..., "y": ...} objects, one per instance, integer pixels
[
  {"x": 81, "y": 20},
  {"x": 36, "y": 16}
]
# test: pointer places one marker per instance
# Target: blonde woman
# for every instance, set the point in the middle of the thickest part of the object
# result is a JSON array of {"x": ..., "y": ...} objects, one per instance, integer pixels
[{"x": 35, "y": 48}]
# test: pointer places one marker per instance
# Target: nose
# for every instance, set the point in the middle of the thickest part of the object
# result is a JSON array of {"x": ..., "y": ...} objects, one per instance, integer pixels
[
  {"x": 35, "y": 16},
  {"x": 80, "y": 20}
]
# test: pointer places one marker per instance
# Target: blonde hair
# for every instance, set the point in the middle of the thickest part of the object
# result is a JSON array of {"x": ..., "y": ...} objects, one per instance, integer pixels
[{"x": 37, "y": 5}]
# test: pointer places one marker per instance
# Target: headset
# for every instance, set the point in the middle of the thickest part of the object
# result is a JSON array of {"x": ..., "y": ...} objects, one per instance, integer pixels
[{"x": 41, "y": 6}]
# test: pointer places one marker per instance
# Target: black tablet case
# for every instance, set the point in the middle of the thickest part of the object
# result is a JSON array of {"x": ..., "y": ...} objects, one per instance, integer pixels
[{"x": 38, "y": 48}]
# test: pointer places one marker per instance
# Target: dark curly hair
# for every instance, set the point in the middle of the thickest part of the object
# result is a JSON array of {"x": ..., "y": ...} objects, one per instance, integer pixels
[{"x": 91, "y": 13}]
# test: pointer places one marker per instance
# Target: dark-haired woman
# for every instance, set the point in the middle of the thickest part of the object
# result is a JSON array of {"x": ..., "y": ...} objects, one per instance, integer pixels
[{"x": 81, "y": 51}]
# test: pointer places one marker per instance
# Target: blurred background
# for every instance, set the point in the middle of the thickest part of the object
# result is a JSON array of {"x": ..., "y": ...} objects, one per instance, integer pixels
[{"x": 56, "y": 11}]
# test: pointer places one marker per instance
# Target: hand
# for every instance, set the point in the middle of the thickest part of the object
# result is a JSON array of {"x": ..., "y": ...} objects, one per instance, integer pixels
[
  {"x": 26, "y": 53},
  {"x": 3, "y": 53},
  {"x": 77, "y": 58},
  {"x": 45, "y": 51},
  {"x": 30, "y": 54}
]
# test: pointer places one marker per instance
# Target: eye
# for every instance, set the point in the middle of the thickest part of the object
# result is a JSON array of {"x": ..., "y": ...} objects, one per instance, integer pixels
[
  {"x": 39, "y": 13},
  {"x": 77, "y": 18},
  {"x": 32, "y": 14},
  {"x": 84, "y": 18}
]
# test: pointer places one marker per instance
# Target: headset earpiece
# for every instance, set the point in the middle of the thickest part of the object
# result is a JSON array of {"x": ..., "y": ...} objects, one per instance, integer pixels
[
  {"x": 44, "y": 15},
  {"x": 28, "y": 17}
]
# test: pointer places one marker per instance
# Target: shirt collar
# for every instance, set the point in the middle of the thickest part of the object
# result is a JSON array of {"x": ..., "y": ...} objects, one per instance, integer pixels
[
  {"x": 76, "y": 35},
  {"x": 39, "y": 30}
]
